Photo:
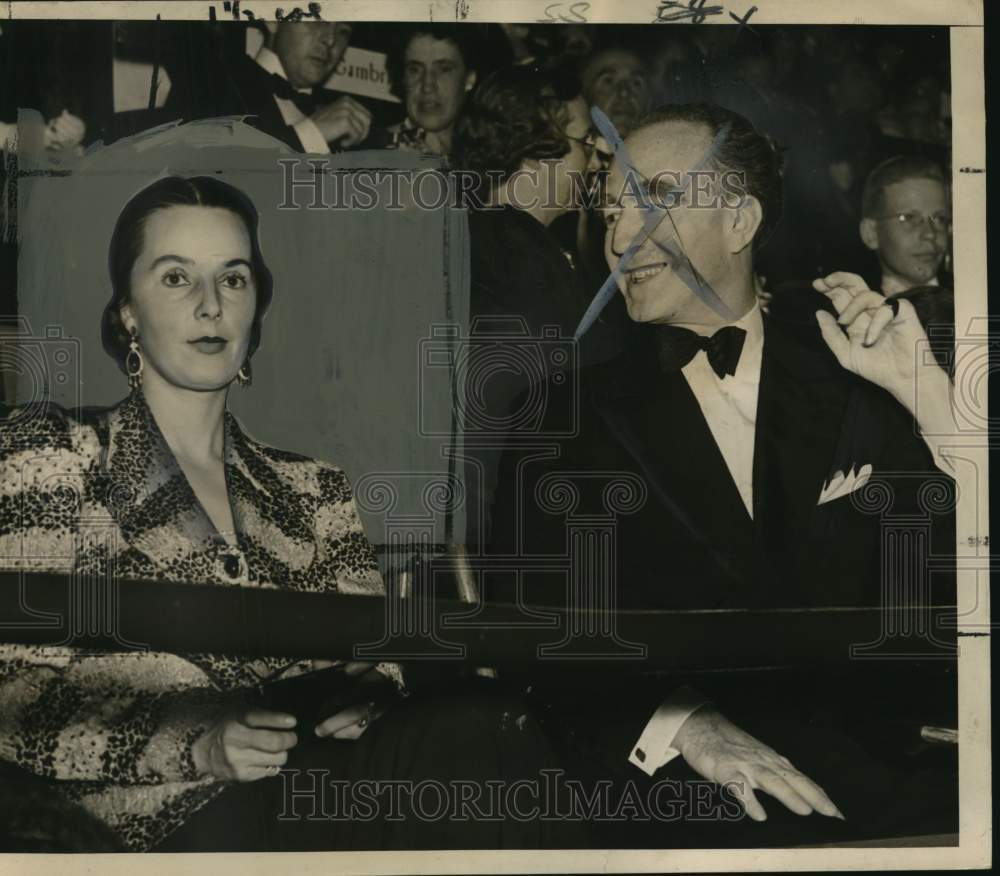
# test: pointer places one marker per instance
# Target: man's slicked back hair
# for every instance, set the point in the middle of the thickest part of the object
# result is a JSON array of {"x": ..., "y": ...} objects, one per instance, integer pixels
[{"x": 744, "y": 150}]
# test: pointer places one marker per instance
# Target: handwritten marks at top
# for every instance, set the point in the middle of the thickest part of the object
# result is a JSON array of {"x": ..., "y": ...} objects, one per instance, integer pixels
[
  {"x": 678, "y": 10},
  {"x": 312, "y": 11},
  {"x": 742, "y": 22},
  {"x": 558, "y": 11},
  {"x": 565, "y": 13},
  {"x": 696, "y": 11},
  {"x": 297, "y": 14}
]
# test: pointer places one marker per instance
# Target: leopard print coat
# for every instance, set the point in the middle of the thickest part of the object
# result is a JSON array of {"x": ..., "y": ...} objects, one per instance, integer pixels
[{"x": 101, "y": 493}]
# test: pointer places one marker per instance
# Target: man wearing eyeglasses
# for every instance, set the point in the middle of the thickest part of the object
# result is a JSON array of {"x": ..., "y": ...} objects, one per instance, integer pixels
[{"x": 906, "y": 222}]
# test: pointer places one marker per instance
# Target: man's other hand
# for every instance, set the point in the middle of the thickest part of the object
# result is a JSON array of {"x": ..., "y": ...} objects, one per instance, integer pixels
[{"x": 721, "y": 752}]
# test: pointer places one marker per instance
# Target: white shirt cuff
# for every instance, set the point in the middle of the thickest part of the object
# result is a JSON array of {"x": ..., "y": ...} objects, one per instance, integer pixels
[
  {"x": 654, "y": 747},
  {"x": 312, "y": 140}
]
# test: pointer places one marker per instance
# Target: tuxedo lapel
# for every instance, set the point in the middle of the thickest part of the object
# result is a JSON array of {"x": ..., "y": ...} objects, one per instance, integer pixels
[
  {"x": 664, "y": 432},
  {"x": 255, "y": 88},
  {"x": 800, "y": 420}
]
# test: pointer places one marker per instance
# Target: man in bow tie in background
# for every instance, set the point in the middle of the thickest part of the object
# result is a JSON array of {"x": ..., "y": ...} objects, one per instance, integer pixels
[
  {"x": 751, "y": 437},
  {"x": 281, "y": 92}
]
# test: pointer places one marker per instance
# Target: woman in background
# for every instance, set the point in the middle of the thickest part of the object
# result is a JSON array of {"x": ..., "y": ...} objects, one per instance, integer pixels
[{"x": 432, "y": 69}]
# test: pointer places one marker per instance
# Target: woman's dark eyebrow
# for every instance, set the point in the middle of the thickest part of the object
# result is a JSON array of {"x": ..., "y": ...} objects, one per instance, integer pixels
[
  {"x": 170, "y": 258},
  {"x": 232, "y": 263}
]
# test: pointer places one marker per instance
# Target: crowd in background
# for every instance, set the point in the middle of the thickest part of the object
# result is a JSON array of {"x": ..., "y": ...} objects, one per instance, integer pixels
[
  {"x": 851, "y": 174},
  {"x": 835, "y": 101}
]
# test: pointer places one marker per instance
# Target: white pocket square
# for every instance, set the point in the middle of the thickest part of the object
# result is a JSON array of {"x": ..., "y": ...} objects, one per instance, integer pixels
[{"x": 844, "y": 484}]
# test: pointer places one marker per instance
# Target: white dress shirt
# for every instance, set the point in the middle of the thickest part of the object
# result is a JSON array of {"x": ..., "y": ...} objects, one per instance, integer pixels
[
  {"x": 312, "y": 140},
  {"x": 729, "y": 405}
]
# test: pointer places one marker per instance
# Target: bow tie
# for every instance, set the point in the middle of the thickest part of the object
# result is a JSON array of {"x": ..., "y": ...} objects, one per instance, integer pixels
[
  {"x": 305, "y": 101},
  {"x": 678, "y": 346}
]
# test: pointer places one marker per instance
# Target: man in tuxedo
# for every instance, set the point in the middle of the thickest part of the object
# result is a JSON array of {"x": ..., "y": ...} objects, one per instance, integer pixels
[
  {"x": 281, "y": 92},
  {"x": 753, "y": 442}
]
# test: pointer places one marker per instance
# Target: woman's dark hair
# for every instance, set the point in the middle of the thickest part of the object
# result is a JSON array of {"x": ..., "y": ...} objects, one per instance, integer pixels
[
  {"x": 482, "y": 47},
  {"x": 752, "y": 155},
  {"x": 514, "y": 114},
  {"x": 128, "y": 239}
]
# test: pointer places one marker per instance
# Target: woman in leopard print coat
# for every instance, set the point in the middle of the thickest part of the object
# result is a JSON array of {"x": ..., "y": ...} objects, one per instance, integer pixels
[{"x": 166, "y": 485}]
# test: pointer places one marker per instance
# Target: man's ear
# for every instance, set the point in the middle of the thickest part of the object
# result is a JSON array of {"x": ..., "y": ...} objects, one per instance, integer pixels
[
  {"x": 869, "y": 234},
  {"x": 470, "y": 80},
  {"x": 745, "y": 222}
]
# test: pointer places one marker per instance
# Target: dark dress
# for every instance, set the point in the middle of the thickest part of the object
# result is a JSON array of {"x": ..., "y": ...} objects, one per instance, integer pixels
[
  {"x": 418, "y": 778},
  {"x": 527, "y": 299}
]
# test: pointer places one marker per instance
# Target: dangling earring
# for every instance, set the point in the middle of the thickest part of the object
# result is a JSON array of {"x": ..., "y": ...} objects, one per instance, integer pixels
[
  {"x": 244, "y": 377},
  {"x": 133, "y": 360}
]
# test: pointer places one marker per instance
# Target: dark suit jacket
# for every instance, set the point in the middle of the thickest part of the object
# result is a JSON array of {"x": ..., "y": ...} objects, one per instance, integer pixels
[
  {"x": 245, "y": 90},
  {"x": 691, "y": 543}
]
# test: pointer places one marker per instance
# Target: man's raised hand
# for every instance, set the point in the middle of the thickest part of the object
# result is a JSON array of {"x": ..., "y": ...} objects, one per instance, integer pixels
[
  {"x": 344, "y": 122},
  {"x": 874, "y": 337}
]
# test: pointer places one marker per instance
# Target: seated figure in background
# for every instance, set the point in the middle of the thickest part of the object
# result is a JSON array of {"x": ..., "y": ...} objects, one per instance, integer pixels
[
  {"x": 906, "y": 222},
  {"x": 528, "y": 137},
  {"x": 281, "y": 92},
  {"x": 432, "y": 68}
]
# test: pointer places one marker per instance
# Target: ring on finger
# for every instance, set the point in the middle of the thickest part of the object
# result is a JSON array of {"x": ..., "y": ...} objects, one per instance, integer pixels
[{"x": 367, "y": 718}]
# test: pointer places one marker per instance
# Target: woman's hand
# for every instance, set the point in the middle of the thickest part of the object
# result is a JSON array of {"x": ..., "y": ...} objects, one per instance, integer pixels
[
  {"x": 351, "y": 722},
  {"x": 246, "y": 745}
]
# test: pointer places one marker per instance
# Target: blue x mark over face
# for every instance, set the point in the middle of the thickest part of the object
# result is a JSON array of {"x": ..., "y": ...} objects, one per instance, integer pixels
[{"x": 656, "y": 244}]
